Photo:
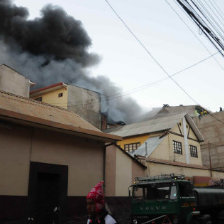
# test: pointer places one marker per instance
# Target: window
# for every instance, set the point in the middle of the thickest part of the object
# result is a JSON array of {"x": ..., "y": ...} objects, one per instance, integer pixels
[
  {"x": 39, "y": 99},
  {"x": 60, "y": 94},
  {"x": 185, "y": 189},
  {"x": 131, "y": 147},
  {"x": 155, "y": 191},
  {"x": 193, "y": 151},
  {"x": 177, "y": 147}
]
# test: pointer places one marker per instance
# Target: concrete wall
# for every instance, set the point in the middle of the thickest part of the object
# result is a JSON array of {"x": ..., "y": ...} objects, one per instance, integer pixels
[
  {"x": 213, "y": 133},
  {"x": 123, "y": 173},
  {"x": 121, "y": 170},
  {"x": 21, "y": 145},
  {"x": 13, "y": 82},
  {"x": 137, "y": 171},
  {"x": 86, "y": 103},
  {"x": 158, "y": 169}
]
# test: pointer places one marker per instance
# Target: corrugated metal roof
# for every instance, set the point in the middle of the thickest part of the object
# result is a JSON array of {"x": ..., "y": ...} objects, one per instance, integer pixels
[
  {"x": 147, "y": 148},
  {"x": 13, "y": 106},
  {"x": 156, "y": 125},
  {"x": 153, "y": 125}
]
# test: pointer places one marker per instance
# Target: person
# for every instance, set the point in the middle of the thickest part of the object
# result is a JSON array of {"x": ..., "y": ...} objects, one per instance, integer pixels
[{"x": 96, "y": 207}]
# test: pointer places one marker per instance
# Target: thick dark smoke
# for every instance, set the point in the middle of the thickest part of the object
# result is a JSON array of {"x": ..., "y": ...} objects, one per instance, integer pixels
[
  {"x": 54, "y": 48},
  {"x": 55, "y": 35}
]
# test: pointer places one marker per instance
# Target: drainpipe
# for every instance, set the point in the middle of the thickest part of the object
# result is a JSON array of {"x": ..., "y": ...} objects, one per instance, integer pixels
[{"x": 187, "y": 153}]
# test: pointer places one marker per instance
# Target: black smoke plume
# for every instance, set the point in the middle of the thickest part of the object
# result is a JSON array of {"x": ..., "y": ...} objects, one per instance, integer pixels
[{"x": 54, "y": 48}]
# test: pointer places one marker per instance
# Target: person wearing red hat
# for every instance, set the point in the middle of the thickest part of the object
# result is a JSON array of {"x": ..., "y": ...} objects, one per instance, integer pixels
[{"x": 96, "y": 207}]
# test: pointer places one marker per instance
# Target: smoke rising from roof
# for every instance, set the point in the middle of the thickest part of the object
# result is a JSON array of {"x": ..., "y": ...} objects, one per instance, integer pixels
[{"x": 54, "y": 48}]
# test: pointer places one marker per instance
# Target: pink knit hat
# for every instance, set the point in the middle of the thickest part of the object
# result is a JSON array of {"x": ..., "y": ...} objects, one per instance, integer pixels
[{"x": 96, "y": 194}]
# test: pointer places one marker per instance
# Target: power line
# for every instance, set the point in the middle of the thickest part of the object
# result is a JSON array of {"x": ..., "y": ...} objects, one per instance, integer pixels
[
  {"x": 217, "y": 9},
  {"x": 163, "y": 79},
  {"x": 148, "y": 52},
  {"x": 199, "y": 40},
  {"x": 198, "y": 16},
  {"x": 139, "y": 88},
  {"x": 154, "y": 59},
  {"x": 202, "y": 45}
]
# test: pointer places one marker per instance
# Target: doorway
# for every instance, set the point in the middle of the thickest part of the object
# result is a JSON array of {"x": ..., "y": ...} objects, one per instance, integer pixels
[{"x": 47, "y": 193}]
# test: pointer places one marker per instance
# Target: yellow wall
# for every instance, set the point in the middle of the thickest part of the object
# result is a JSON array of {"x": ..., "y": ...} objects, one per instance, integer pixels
[
  {"x": 53, "y": 99},
  {"x": 131, "y": 139}
]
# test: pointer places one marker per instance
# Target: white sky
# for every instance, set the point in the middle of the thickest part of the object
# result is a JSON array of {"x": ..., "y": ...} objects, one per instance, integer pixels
[{"x": 167, "y": 38}]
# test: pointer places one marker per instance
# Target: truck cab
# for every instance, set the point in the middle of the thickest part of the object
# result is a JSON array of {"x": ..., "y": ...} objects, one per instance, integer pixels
[{"x": 162, "y": 199}]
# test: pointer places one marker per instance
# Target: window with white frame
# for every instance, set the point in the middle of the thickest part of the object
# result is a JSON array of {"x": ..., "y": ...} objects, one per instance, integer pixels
[{"x": 177, "y": 147}]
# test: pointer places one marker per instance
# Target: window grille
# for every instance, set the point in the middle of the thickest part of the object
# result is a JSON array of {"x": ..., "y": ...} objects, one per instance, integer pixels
[
  {"x": 177, "y": 147},
  {"x": 193, "y": 151},
  {"x": 131, "y": 147}
]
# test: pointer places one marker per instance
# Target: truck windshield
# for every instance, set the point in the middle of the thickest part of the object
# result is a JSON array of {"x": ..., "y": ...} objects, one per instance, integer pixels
[
  {"x": 158, "y": 191},
  {"x": 185, "y": 189}
]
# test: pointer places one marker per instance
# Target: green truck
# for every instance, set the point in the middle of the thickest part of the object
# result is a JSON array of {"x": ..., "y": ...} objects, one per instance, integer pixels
[{"x": 171, "y": 199}]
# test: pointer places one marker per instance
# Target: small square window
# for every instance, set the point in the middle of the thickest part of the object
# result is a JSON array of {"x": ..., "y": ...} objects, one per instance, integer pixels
[{"x": 60, "y": 94}]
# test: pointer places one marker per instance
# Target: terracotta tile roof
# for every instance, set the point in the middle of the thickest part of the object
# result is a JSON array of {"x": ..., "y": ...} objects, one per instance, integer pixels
[
  {"x": 31, "y": 111},
  {"x": 167, "y": 162}
]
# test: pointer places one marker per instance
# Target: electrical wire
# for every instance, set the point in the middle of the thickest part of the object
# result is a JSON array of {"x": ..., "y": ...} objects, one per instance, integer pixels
[
  {"x": 215, "y": 11},
  {"x": 154, "y": 59},
  {"x": 114, "y": 97},
  {"x": 202, "y": 45},
  {"x": 211, "y": 19},
  {"x": 198, "y": 39},
  {"x": 148, "y": 52},
  {"x": 199, "y": 17},
  {"x": 166, "y": 78}
]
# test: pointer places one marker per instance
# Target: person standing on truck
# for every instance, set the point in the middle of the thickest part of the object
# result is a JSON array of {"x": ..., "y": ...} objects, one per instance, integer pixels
[{"x": 96, "y": 207}]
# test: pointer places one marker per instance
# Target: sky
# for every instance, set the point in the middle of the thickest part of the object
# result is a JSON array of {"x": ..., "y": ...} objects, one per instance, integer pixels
[{"x": 165, "y": 36}]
